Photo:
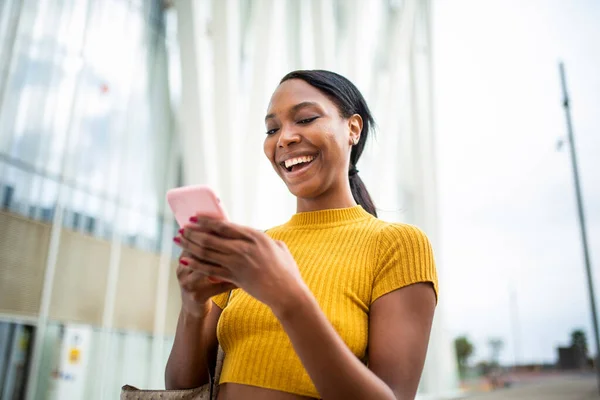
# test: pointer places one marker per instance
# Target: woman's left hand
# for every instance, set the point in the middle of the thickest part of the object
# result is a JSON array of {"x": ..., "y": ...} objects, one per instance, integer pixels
[{"x": 248, "y": 258}]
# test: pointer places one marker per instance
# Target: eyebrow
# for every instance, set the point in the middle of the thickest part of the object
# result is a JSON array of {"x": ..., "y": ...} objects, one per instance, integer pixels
[{"x": 295, "y": 108}]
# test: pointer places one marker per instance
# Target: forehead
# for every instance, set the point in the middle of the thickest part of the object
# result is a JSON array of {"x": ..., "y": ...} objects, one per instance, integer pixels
[{"x": 295, "y": 91}]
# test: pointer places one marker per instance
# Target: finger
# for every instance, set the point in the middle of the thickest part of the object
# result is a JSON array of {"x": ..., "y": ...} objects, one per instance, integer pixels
[
  {"x": 192, "y": 281},
  {"x": 197, "y": 282},
  {"x": 185, "y": 254},
  {"x": 201, "y": 253},
  {"x": 182, "y": 272},
  {"x": 208, "y": 270},
  {"x": 223, "y": 228},
  {"x": 186, "y": 270},
  {"x": 211, "y": 241}
]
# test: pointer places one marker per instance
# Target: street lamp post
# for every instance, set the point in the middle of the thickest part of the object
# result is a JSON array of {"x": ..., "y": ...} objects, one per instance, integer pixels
[{"x": 580, "y": 213}]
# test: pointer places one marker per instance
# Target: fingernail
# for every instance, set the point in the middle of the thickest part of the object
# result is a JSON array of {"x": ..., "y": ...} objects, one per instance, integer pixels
[
  {"x": 184, "y": 261},
  {"x": 177, "y": 239},
  {"x": 180, "y": 231},
  {"x": 194, "y": 219}
]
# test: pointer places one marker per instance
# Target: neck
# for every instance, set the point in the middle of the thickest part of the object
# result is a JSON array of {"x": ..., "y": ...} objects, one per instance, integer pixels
[{"x": 334, "y": 198}]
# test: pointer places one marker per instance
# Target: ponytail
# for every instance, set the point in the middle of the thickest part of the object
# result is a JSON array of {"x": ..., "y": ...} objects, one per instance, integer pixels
[
  {"x": 349, "y": 101},
  {"x": 361, "y": 195}
]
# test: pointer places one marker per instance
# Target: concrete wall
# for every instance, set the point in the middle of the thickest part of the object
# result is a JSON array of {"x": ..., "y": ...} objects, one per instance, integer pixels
[{"x": 79, "y": 289}]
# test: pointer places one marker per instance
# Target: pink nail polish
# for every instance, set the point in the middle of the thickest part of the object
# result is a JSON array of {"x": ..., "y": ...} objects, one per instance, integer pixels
[
  {"x": 194, "y": 219},
  {"x": 177, "y": 239},
  {"x": 184, "y": 261},
  {"x": 180, "y": 231}
]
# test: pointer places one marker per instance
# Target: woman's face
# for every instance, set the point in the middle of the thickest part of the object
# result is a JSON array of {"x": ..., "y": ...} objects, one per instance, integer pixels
[{"x": 308, "y": 142}]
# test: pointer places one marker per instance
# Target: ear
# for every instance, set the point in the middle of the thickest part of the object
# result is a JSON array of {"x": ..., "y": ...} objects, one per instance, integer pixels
[{"x": 355, "y": 125}]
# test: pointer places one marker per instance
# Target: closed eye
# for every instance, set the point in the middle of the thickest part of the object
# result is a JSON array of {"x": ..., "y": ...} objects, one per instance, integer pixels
[{"x": 307, "y": 121}]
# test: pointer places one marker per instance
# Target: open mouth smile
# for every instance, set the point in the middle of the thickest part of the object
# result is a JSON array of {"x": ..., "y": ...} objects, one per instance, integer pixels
[{"x": 296, "y": 165}]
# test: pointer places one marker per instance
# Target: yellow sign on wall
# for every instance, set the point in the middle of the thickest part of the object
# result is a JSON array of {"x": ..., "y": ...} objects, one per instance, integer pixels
[{"x": 74, "y": 355}]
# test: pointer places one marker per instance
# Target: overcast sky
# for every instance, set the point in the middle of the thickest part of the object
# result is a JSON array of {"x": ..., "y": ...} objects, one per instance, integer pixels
[{"x": 507, "y": 200}]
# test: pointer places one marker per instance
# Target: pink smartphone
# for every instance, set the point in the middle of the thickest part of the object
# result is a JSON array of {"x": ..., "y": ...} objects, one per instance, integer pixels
[{"x": 189, "y": 201}]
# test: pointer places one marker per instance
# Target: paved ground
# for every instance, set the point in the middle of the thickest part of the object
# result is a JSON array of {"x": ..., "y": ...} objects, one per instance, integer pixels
[{"x": 563, "y": 388}]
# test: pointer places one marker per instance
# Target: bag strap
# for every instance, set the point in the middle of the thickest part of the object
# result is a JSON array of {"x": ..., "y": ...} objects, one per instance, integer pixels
[{"x": 211, "y": 377}]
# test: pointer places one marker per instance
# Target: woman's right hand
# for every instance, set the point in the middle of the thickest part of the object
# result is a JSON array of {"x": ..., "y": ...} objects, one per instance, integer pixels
[{"x": 197, "y": 289}]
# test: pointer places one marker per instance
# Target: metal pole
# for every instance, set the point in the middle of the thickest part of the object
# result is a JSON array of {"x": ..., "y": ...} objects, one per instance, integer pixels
[
  {"x": 581, "y": 215},
  {"x": 514, "y": 322}
]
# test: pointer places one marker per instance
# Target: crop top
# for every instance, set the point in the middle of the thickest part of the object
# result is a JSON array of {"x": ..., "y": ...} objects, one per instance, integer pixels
[{"x": 348, "y": 259}]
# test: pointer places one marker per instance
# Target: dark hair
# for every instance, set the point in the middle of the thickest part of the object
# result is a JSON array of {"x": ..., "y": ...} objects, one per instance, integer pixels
[{"x": 349, "y": 101}]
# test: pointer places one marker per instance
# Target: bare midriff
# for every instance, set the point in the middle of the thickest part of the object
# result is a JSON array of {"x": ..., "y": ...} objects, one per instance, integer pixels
[{"x": 236, "y": 391}]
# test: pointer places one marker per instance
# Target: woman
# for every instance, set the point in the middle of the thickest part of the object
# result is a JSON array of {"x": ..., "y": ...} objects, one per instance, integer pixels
[{"x": 334, "y": 304}]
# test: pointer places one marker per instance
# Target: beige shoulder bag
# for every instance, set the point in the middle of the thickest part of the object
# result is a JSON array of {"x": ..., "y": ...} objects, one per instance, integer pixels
[{"x": 208, "y": 391}]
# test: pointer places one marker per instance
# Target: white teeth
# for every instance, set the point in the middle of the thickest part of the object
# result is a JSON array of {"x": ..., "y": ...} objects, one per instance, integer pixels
[{"x": 293, "y": 161}]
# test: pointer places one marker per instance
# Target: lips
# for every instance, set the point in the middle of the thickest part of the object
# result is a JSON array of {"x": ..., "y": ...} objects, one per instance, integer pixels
[{"x": 295, "y": 165}]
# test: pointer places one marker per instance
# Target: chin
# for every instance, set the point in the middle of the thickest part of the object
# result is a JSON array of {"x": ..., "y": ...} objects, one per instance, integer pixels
[{"x": 305, "y": 190}]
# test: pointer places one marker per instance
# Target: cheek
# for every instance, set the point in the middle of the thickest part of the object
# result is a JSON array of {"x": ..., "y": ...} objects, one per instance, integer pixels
[
  {"x": 269, "y": 148},
  {"x": 324, "y": 136},
  {"x": 333, "y": 136},
  {"x": 335, "y": 144}
]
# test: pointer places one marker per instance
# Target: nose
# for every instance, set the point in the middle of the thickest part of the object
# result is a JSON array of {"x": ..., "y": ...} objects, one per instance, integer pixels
[{"x": 287, "y": 137}]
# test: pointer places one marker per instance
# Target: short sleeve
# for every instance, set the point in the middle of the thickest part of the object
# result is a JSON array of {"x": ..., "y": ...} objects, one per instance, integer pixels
[
  {"x": 404, "y": 257},
  {"x": 221, "y": 300}
]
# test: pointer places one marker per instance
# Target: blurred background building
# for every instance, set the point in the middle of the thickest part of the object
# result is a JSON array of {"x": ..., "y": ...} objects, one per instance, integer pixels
[{"x": 106, "y": 104}]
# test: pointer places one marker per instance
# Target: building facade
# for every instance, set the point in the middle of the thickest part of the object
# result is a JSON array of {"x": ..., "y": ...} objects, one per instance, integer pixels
[{"x": 104, "y": 105}]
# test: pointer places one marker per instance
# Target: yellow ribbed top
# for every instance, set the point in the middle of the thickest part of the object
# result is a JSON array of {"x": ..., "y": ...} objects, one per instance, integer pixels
[{"x": 348, "y": 259}]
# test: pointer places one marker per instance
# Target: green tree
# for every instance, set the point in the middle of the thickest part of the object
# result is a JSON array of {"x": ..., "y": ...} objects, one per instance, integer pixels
[
  {"x": 579, "y": 340},
  {"x": 464, "y": 350}
]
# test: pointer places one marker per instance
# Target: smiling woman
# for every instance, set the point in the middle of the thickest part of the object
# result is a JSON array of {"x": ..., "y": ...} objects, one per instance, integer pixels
[
  {"x": 320, "y": 107},
  {"x": 333, "y": 304}
]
